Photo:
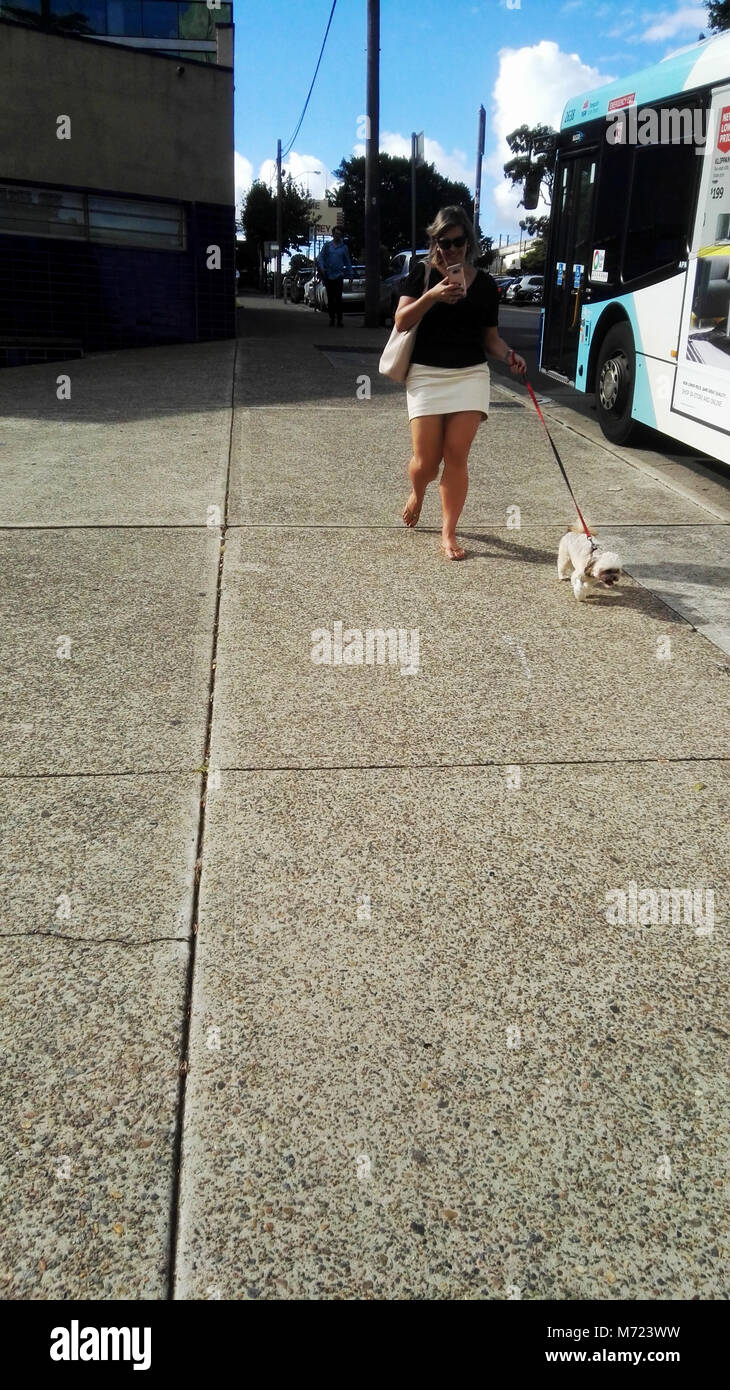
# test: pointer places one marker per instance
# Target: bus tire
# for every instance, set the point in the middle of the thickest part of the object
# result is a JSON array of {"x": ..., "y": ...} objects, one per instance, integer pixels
[{"x": 615, "y": 377}]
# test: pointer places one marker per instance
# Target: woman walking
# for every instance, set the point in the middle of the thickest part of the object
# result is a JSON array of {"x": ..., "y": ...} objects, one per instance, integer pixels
[{"x": 447, "y": 387}]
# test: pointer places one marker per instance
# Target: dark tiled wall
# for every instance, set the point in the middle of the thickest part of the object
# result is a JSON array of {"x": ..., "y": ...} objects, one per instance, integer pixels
[{"x": 110, "y": 297}]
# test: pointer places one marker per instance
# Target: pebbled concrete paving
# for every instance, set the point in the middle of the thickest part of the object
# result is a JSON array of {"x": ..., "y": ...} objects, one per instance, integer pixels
[
  {"x": 91, "y": 1047},
  {"x": 99, "y": 858},
  {"x": 348, "y": 467},
  {"x": 422, "y": 1063},
  {"x": 511, "y": 667},
  {"x": 137, "y": 606},
  {"x": 687, "y": 566}
]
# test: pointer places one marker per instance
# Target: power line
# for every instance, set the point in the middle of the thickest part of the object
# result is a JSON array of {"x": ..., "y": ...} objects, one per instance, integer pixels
[{"x": 314, "y": 79}]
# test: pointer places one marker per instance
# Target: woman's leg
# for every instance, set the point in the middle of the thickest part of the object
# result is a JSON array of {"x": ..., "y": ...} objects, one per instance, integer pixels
[
  {"x": 427, "y": 436},
  {"x": 459, "y": 431}
]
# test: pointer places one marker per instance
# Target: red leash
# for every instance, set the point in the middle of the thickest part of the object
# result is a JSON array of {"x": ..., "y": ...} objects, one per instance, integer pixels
[{"x": 557, "y": 455}]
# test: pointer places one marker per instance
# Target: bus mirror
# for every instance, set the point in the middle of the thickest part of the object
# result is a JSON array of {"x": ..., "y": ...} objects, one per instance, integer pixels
[{"x": 533, "y": 179}]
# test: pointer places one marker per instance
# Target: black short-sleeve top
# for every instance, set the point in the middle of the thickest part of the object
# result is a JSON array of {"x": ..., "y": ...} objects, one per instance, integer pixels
[{"x": 451, "y": 335}]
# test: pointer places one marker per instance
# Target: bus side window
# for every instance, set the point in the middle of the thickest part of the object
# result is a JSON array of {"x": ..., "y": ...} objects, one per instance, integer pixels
[
  {"x": 613, "y": 183},
  {"x": 662, "y": 202}
]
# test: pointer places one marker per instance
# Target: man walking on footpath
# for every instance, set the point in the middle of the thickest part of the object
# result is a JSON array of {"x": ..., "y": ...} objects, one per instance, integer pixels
[{"x": 334, "y": 262}]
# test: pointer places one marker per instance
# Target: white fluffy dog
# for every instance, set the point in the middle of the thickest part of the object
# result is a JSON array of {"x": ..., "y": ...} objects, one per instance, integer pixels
[{"x": 585, "y": 564}]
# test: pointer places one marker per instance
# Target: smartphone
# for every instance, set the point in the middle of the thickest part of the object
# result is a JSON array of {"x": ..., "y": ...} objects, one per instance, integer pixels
[{"x": 456, "y": 275}]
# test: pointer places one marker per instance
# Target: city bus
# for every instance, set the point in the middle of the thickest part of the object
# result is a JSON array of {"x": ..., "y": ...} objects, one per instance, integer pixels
[{"x": 637, "y": 274}]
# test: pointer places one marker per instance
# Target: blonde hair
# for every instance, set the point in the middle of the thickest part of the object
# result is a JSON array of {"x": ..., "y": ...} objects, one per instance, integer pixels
[{"x": 452, "y": 216}]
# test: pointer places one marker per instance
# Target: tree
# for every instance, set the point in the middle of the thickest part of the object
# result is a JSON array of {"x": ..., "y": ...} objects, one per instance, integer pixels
[
  {"x": 433, "y": 191},
  {"x": 533, "y": 259},
  {"x": 258, "y": 216},
  {"x": 486, "y": 252},
  {"x": 718, "y": 15},
  {"x": 532, "y": 147}
]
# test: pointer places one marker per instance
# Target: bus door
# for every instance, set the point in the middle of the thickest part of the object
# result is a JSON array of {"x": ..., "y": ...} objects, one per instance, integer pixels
[{"x": 567, "y": 271}]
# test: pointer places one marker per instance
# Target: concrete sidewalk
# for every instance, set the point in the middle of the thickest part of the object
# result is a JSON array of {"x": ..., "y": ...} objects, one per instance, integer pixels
[{"x": 312, "y": 986}]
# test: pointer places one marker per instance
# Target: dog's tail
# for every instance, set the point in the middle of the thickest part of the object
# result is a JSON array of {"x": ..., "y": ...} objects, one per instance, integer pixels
[{"x": 579, "y": 529}]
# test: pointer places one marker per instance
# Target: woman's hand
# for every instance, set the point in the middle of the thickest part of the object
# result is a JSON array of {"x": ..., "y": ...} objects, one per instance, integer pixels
[
  {"x": 446, "y": 292},
  {"x": 517, "y": 365}
]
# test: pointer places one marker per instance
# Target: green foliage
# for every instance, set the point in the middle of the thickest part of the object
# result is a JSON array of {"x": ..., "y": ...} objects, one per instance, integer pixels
[
  {"x": 532, "y": 146},
  {"x": 258, "y": 215},
  {"x": 718, "y": 15},
  {"x": 433, "y": 191},
  {"x": 533, "y": 260}
]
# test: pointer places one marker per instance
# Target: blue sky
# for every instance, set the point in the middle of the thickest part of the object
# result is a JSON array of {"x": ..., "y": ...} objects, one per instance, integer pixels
[{"x": 439, "y": 60}]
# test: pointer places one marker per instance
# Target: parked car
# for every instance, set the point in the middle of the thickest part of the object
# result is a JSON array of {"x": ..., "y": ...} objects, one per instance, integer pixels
[
  {"x": 391, "y": 285},
  {"x": 524, "y": 289},
  {"x": 353, "y": 291},
  {"x": 299, "y": 285},
  {"x": 503, "y": 283}
]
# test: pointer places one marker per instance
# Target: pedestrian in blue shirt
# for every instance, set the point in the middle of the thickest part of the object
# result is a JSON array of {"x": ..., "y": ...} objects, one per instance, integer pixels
[{"x": 334, "y": 263}]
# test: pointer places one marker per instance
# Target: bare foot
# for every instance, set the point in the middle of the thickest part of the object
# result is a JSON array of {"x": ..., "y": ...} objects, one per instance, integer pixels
[
  {"x": 412, "y": 510},
  {"x": 451, "y": 549}
]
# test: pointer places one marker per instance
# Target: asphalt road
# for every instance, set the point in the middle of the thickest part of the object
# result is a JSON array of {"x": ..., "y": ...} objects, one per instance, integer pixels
[{"x": 520, "y": 327}]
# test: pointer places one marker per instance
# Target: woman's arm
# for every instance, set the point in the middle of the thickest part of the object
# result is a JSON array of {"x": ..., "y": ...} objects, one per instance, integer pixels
[
  {"x": 497, "y": 347},
  {"x": 411, "y": 311}
]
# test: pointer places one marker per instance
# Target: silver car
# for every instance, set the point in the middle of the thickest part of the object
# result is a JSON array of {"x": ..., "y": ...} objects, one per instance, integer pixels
[{"x": 391, "y": 287}]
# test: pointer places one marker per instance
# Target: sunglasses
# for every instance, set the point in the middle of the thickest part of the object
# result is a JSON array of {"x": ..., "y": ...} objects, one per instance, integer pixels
[{"x": 446, "y": 243}]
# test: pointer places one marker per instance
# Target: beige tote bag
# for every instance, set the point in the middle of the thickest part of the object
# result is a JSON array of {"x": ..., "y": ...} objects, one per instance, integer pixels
[{"x": 396, "y": 359}]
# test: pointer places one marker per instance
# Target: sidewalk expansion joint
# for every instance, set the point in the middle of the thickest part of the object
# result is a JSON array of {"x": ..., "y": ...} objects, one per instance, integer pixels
[
  {"x": 91, "y": 940},
  {"x": 197, "y": 874},
  {"x": 420, "y": 766}
]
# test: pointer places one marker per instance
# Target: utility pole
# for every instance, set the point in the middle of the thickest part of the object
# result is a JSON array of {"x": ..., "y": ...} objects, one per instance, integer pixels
[
  {"x": 416, "y": 160},
  {"x": 372, "y": 172},
  {"x": 413, "y": 192},
  {"x": 478, "y": 180},
  {"x": 279, "y": 222}
]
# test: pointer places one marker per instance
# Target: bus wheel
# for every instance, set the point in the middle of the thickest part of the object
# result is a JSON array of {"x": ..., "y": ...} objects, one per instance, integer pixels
[{"x": 615, "y": 384}]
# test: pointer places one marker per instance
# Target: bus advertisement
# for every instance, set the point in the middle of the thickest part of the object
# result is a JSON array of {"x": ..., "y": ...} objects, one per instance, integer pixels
[{"x": 637, "y": 273}]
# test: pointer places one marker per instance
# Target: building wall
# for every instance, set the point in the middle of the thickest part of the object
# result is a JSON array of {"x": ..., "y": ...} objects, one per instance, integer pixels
[
  {"x": 137, "y": 125},
  {"x": 138, "y": 130},
  {"x": 107, "y": 297}
]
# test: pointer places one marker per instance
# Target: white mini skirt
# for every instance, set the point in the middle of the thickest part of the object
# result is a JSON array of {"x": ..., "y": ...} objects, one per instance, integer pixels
[{"x": 443, "y": 390}]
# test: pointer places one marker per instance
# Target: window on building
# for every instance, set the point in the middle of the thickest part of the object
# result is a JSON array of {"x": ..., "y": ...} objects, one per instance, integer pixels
[
  {"x": 79, "y": 16},
  {"x": 119, "y": 220},
  {"x": 124, "y": 18},
  {"x": 28, "y": 10},
  {"x": 159, "y": 19},
  {"x": 663, "y": 196},
  {"x": 57, "y": 213},
  {"x": 196, "y": 21},
  {"x": 41, "y": 212}
]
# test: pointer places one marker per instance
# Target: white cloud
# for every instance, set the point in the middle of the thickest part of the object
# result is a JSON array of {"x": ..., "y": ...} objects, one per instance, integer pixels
[
  {"x": 242, "y": 177},
  {"x": 532, "y": 87},
  {"x": 685, "y": 20},
  {"x": 300, "y": 166},
  {"x": 452, "y": 166}
]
